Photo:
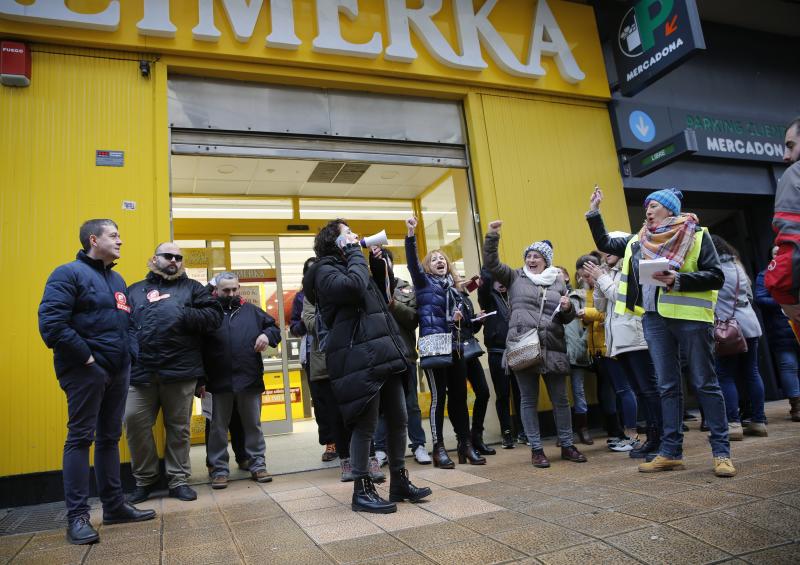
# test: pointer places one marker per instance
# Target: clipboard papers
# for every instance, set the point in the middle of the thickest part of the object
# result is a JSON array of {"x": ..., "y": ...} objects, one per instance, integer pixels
[{"x": 649, "y": 267}]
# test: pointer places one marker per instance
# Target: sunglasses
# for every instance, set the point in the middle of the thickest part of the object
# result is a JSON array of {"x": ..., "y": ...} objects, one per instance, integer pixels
[{"x": 171, "y": 256}]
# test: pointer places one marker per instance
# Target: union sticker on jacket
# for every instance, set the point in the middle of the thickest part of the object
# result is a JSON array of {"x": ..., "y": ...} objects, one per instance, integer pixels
[{"x": 122, "y": 302}]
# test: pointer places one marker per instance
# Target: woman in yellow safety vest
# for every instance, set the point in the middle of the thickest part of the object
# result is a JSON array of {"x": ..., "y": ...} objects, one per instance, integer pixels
[{"x": 676, "y": 303}]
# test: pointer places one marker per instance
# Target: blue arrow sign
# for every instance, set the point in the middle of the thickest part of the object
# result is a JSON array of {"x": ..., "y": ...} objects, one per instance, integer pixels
[{"x": 642, "y": 126}]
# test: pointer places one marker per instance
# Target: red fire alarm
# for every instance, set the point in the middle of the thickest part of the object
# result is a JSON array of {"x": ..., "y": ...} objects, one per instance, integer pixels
[{"x": 15, "y": 64}]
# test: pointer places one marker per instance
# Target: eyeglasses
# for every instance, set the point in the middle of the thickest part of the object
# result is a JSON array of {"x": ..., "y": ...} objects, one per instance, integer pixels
[{"x": 171, "y": 256}]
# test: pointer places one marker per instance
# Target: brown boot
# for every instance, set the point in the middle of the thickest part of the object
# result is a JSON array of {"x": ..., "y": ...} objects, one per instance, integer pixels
[
  {"x": 440, "y": 457},
  {"x": 571, "y": 453},
  {"x": 795, "y": 410},
  {"x": 539, "y": 459},
  {"x": 581, "y": 424}
]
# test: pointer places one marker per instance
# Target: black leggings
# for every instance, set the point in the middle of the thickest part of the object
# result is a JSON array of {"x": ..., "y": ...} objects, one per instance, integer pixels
[
  {"x": 449, "y": 383},
  {"x": 477, "y": 378},
  {"x": 506, "y": 389}
]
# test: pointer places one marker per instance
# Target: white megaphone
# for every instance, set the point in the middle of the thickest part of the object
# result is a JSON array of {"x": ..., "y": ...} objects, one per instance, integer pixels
[{"x": 377, "y": 239}]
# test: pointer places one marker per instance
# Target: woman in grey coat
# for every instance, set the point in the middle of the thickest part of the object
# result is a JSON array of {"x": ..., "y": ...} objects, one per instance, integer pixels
[
  {"x": 743, "y": 364},
  {"x": 536, "y": 281}
]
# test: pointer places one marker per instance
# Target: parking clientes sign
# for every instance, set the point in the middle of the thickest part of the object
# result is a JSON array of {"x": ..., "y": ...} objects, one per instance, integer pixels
[{"x": 655, "y": 36}]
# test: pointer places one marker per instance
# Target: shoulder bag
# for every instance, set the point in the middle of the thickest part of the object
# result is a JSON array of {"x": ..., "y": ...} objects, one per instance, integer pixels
[
  {"x": 728, "y": 337},
  {"x": 525, "y": 351}
]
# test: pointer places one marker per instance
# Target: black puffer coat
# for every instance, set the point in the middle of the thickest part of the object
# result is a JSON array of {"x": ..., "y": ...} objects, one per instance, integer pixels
[
  {"x": 170, "y": 330},
  {"x": 231, "y": 362},
  {"x": 525, "y": 298},
  {"x": 363, "y": 345}
]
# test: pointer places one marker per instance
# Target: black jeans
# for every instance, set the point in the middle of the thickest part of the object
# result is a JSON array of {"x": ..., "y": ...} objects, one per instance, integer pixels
[
  {"x": 477, "y": 378},
  {"x": 450, "y": 383},
  {"x": 639, "y": 365},
  {"x": 237, "y": 436},
  {"x": 325, "y": 410},
  {"x": 95, "y": 406},
  {"x": 391, "y": 400},
  {"x": 506, "y": 389}
]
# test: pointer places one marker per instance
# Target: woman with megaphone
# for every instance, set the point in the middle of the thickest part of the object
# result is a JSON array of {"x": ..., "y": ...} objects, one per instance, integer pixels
[{"x": 444, "y": 322}]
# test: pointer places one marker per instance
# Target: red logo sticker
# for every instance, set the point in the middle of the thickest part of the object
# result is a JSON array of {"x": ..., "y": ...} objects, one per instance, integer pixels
[
  {"x": 154, "y": 296},
  {"x": 122, "y": 302}
]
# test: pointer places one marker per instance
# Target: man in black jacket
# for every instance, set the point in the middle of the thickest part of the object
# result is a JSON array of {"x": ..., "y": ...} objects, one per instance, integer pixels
[
  {"x": 84, "y": 317},
  {"x": 232, "y": 358},
  {"x": 172, "y": 313}
]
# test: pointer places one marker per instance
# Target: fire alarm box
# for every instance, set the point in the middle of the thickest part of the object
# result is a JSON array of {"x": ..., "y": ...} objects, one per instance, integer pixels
[{"x": 15, "y": 63}]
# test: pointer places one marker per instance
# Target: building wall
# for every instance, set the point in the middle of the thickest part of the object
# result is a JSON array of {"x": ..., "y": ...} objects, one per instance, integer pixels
[{"x": 80, "y": 101}]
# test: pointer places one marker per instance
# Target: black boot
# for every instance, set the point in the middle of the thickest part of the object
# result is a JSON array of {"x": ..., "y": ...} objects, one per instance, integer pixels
[
  {"x": 480, "y": 446},
  {"x": 401, "y": 489},
  {"x": 367, "y": 499},
  {"x": 652, "y": 445},
  {"x": 581, "y": 424},
  {"x": 508, "y": 440},
  {"x": 613, "y": 429},
  {"x": 440, "y": 457},
  {"x": 466, "y": 452},
  {"x": 127, "y": 513}
]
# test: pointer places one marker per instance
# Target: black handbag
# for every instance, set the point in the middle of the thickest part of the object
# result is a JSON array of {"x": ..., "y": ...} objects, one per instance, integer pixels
[
  {"x": 471, "y": 349},
  {"x": 436, "y": 361}
]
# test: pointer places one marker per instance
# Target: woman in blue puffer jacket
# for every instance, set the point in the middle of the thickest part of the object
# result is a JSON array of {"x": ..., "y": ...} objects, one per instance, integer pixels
[{"x": 444, "y": 323}]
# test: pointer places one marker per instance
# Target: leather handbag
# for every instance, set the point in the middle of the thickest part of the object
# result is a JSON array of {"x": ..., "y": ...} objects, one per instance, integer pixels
[
  {"x": 471, "y": 349},
  {"x": 728, "y": 337},
  {"x": 525, "y": 351},
  {"x": 436, "y": 350}
]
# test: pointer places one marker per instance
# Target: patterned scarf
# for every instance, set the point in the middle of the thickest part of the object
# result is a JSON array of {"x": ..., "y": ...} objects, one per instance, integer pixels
[{"x": 671, "y": 240}]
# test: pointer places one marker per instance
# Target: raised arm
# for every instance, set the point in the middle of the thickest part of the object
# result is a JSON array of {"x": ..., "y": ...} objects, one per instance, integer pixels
[
  {"x": 603, "y": 242},
  {"x": 412, "y": 258},
  {"x": 348, "y": 287},
  {"x": 502, "y": 273}
]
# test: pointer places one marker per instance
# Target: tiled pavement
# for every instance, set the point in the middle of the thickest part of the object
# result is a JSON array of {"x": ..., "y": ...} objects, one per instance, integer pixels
[{"x": 603, "y": 511}]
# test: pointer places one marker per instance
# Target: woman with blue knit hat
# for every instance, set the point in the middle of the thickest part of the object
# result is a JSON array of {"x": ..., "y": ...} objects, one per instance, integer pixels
[
  {"x": 677, "y": 309},
  {"x": 538, "y": 300}
]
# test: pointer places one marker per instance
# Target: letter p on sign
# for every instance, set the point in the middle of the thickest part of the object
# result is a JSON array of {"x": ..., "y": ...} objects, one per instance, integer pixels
[
  {"x": 15, "y": 64},
  {"x": 650, "y": 14}
]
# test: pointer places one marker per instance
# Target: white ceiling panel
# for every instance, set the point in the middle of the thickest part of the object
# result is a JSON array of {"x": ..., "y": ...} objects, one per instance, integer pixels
[
  {"x": 227, "y": 168},
  {"x": 269, "y": 188},
  {"x": 426, "y": 176},
  {"x": 283, "y": 170},
  {"x": 388, "y": 174},
  {"x": 371, "y": 190},
  {"x": 325, "y": 189},
  {"x": 182, "y": 186},
  {"x": 222, "y": 186},
  {"x": 184, "y": 166}
]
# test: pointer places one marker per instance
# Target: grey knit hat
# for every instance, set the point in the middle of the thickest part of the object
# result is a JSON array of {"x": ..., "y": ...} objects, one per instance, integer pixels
[{"x": 544, "y": 248}]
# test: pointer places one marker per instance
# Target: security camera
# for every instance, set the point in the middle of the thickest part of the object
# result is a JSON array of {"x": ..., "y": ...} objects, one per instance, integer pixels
[{"x": 144, "y": 68}]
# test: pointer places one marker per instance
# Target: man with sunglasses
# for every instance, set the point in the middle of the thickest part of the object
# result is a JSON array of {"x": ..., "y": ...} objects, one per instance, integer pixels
[{"x": 171, "y": 313}]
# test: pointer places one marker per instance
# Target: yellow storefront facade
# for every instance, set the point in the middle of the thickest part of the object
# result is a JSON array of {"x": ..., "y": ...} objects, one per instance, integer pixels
[{"x": 528, "y": 76}]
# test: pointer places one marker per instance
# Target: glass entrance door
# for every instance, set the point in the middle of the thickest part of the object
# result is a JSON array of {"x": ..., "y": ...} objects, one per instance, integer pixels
[{"x": 256, "y": 260}]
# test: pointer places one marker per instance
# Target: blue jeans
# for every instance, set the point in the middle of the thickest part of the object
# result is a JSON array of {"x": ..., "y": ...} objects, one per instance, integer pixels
[
  {"x": 642, "y": 375},
  {"x": 665, "y": 336},
  {"x": 416, "y": 435},
  {"x": 787, "y": 369},
  {"x": 577, "y": 377},
  {"x": 616, "y": 374},
  {"x": 95, "y": 406},
  {"x": 746, "y": 365}
]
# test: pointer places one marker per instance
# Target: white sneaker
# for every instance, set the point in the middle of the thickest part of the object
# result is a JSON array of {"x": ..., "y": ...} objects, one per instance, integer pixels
[
  {"x": 382, "y": 458},
  {"x": 421, "y": 455},
  {"x": 626, "y": 444}
]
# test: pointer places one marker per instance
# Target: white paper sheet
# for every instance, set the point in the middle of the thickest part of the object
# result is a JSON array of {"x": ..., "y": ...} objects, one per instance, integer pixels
[
  {"x": 207, "y": 404},
  {"x": 649, "y": 267}
]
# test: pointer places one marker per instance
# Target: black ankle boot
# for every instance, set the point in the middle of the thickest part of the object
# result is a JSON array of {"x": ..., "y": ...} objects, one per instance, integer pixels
[
  {"x": 466, "y": 452},
  {"x": 652, "y": 445},
  {"x": 508, "y": 440},
  {"x": 401, "y": 489},
  {"x": 480, "y": 446},
  {"x": 367, "y": 499},
  {"x": 440, "y": 457}
]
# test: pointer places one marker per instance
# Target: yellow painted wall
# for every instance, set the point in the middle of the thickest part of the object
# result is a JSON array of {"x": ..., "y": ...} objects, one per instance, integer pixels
[{"x": 48, "y": 134}]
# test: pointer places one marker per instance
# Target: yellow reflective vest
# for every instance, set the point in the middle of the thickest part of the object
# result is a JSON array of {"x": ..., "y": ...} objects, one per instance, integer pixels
[{"x": 698, "y": 306}]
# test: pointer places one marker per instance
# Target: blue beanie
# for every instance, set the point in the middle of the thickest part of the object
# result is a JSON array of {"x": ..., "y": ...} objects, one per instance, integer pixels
[
  {"x": 669, "y": 198},
  {"x": 543, "y": 248}
]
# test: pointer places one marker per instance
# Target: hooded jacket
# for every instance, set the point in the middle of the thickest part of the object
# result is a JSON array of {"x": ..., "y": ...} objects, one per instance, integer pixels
[
  {"x": 230, "y": 360},
  {"x": 85, "y": 312},
  {"x": 525, "y": 298},
  {"x": 624, "y": 332},
  {"x": 362, "y": 347},
  {"x": 171, "y": 314}
]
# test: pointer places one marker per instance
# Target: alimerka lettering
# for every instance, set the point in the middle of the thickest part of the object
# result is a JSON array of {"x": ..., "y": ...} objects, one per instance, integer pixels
[{"x": 475, "y": 31}]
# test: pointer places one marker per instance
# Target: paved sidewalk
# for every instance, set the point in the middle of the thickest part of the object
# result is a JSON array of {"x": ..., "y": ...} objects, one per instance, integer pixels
[{"x": 603, "y": 511}]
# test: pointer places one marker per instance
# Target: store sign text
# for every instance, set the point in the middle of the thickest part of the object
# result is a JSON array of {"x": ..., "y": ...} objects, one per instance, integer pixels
[{"x": 474, "y": 30}]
